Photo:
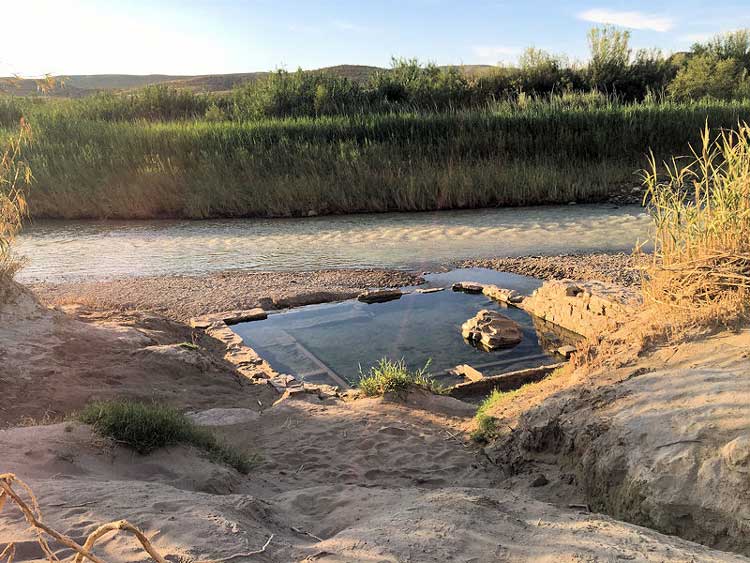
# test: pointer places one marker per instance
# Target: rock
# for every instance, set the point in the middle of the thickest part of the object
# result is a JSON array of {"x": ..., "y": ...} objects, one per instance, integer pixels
[
  {"x": 468, "y": 372},
  {"x": 223, "y": 417},
  {"x": 492, "y": 330},
  {"x": 566, "y": 351},
  {"x": 468, "y": 287},
  {"x": 540, "y": 481},
  {"x": 736, "y": 454},
  {"x": 589, "y": 309},
  {"x": 312, "y": 213},
  {"x": 430, "y": 290},
  {"x": 229, "y": 317},
  {"x": 379, "y": 295},
  {"x": 509, "y": 296}
]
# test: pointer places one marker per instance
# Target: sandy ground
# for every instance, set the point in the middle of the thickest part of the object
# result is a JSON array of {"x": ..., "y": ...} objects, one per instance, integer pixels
[
  {"x": 663, "y": 441},
  {"x": 53, "y": 363},
  {"x": 356, "y": 480},
  {"x": 182, "y": 297},
  {"x": 360, "y": 481}
]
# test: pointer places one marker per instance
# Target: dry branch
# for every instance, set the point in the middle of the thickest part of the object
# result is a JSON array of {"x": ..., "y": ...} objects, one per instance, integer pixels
[{"x": 33, "y": 515}]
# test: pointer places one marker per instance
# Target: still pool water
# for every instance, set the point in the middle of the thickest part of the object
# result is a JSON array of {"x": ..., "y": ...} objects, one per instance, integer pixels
[
  {"x": 330, "y": 343},
  {"x": 72, "y": 250}
]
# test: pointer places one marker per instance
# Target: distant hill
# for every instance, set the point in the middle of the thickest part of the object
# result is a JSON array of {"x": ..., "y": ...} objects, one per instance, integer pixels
[{"x": 76, "y": 86}]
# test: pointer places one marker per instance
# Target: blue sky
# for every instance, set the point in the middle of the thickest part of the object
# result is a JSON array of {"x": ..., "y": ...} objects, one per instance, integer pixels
[{"x": 203, "y": 36}]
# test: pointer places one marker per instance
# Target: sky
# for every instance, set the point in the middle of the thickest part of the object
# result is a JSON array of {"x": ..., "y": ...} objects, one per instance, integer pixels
[{"x": 221, "y": 36}]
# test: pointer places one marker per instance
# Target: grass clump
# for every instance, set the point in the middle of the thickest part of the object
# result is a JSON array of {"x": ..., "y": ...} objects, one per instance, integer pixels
[
  {"x": 701, "y": 210},
  {"x": 486, "y": 424},
  {"x": 15, "y": 176},
  {"x": 395, "y": 377},
  {"x": 146, "y": 427}
]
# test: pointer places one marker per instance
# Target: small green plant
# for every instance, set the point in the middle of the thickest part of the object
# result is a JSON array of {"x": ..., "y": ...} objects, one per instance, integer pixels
[
  {"x": 486, "y": 423},
  {"x": 146, "y": 427},
  {"x": 188, "y": 346},
  {"x": 395, "y": 377}
]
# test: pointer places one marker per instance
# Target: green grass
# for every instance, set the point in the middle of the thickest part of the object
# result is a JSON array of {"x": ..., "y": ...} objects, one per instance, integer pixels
[
  {"x": 486, "y": 424},
  {"x": 395, "y": 377},
  {"x": 536, "y": 152},
  {"x": 146, "y": 427}
]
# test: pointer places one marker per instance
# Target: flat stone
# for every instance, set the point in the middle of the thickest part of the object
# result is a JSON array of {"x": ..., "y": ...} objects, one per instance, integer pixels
[
  {"x": 566, "y": 351},
  {"x": 468, "y": 287},
  {"x": 468, "y": 372},
  {"x": 430, "y": 290},
  {"x": 244, "y": 316},
  {"x": 509, "y": 296},
  {"x": 503, "y": 382},
  {"x": 379, "y": 295}
]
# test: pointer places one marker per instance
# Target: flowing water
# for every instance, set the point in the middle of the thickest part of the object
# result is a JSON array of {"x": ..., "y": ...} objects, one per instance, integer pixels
[{"x": 70, "y": 250}]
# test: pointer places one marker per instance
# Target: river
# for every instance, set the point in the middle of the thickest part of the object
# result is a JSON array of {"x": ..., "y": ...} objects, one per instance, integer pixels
[{"x": 71, "y": 250}]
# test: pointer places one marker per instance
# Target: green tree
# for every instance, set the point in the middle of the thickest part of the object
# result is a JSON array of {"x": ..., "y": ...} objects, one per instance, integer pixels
[
  {"x": 610, "y": 57},
  {"x": 706, "y": 75}
]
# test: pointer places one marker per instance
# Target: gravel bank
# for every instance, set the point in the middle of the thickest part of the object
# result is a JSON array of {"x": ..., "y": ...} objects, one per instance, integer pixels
[
  {"x": 182, "y": 297},
  {"x": 617, "y": 268}
]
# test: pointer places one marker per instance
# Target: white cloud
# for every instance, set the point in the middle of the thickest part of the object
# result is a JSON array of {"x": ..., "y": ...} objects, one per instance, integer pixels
[
  {"x": 495, "y": 53},
  {"x": 634, "y": 20}
]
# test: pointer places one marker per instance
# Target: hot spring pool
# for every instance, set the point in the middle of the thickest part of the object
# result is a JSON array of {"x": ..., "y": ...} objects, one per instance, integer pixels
[{"x": 330, "y": 343}]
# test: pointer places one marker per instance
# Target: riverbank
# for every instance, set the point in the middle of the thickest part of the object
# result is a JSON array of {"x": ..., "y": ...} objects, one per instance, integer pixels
[
  {"x": 618, "y": 268},
  {"x": 183, "y": 297},
  {"x": 338, "y": 480}
]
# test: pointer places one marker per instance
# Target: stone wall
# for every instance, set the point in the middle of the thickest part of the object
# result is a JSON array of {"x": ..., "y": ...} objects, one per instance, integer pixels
[{"x": 589, "y": 308}]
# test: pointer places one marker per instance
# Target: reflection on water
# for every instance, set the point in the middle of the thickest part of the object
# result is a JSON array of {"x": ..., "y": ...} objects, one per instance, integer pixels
[
  {"x": 104, "y": 249},
  {"x": 328, "y": 343}
]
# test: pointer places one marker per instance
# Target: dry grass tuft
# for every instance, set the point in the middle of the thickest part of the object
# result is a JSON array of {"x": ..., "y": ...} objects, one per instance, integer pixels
[
  {"x": 15, "y": 177},
  {"x": 700, "y": 272}
]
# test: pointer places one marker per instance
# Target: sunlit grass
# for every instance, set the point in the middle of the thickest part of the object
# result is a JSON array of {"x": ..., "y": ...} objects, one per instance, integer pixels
[
  {"x": 701, "y": 212},
  {"x": 395, "y": 377},
  {"x": 507, "y": 154}
]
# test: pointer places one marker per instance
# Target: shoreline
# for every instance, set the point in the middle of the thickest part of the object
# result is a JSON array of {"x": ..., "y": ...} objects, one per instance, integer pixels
[{"x": 181, "y": 297}]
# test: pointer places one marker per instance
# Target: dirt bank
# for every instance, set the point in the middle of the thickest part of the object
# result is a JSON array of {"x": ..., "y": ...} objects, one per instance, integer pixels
[
  {"x": 54, "y": 362},
  {"x": 663, "y": 442},
  {"x": 183, "y": 297},
  {"x": 619, "y": 268}
]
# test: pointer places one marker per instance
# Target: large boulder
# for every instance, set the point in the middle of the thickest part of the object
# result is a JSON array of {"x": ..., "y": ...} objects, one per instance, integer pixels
[{"x": 491, "y": 330}]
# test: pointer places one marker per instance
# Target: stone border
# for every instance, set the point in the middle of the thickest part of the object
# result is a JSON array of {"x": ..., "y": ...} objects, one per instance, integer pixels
[
  {"x": 245, "y": 360},
  {"x": 250, "y": 364},
  {"x": 504, "y": 382}
]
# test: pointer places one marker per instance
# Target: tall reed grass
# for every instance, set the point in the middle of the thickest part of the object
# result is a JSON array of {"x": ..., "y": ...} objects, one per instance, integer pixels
[
  {"x": 15, "y": 176},
  {"x": 701, "y": 211},
  {"x": 529, "y": 151}
]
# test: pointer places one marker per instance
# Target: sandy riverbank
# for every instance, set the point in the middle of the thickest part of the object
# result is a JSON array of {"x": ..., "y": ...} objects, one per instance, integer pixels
[
  {"x": 365, "y": 479},
  {"x": 619, "y": 268},
  {"x": 183, "y": 297}
]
